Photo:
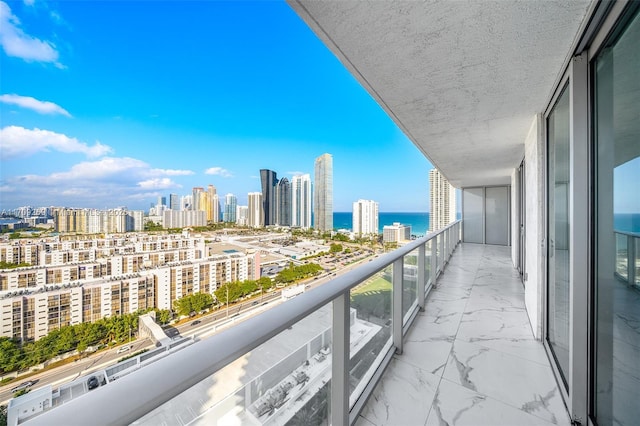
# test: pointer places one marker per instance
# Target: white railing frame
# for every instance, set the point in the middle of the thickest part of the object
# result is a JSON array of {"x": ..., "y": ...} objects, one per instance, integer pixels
[{"x": 131, "y": 397}]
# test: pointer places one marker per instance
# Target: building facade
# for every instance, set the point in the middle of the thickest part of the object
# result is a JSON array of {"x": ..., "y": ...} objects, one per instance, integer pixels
[
  {"x": 83, "y": 280},
  {"x": 442, "y": 201},
  {"x": 283, "y": 203},
  {"x": 365, "y": 217},
  {"x": 301, "y": 197},
  {"x": 255, "y": 214},
  {"x": 323, "y": 195},
  {"x": 230, "y": 204},
  {"x": 396, "y": 233},
  {"x": 269, "y": 180},
  {"x": 92, "y": 221}
]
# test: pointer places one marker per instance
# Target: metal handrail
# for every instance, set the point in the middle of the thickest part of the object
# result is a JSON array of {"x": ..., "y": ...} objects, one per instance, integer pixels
[{"x": 129, "y": 398}]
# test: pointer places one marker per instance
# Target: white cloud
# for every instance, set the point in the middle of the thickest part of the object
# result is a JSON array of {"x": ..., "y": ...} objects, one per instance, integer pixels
[
  {"x": 16, "y": 141},
  {"x": 296, "y": 173},
  {"x": 158, "y": 183},
  {"x": 218, "y": 171},
  {"x": 171, "y": 172},
  {"x": 100, "y": 183},
  {"x": 43, "y": 107},
  {"x": 17, "y": 43},
  {"x": 29, "y": 2}
]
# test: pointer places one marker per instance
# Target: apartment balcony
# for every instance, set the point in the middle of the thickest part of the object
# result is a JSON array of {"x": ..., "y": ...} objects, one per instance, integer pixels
[
  {"x": 470, "y": 357},
  {"x": 377, "y": 345}
]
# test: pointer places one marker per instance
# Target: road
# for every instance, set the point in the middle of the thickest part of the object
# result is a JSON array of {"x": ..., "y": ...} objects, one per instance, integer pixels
[{"x": 202, "y": 325}]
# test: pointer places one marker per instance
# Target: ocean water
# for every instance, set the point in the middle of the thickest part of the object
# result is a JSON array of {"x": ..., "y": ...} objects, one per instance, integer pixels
[
  {"x": 419, "y": 221},
  {"x": 626, "y": 222}
]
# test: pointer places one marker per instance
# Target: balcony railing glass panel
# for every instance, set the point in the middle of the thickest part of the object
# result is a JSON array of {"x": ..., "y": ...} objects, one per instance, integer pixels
[
  {"x": 409, "y": 285},
  {"x": 622, "y": 255},
  {"x": 286, "y": 380},
  {"x": 371, "y": 309}
]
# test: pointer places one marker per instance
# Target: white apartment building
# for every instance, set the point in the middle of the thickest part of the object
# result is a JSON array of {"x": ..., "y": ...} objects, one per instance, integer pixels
[
  {"x": 183, "y": 218},
  {"x": 365, "y": 217},
  {"x": 242, "y": 215},
  {"x": 83, "y": 280},
  {"x": 442, "y": 201},
  {"x": 255, "y": 216},
  {"x": 301, "y": 201},
  {"x": 396, "y": 233}
]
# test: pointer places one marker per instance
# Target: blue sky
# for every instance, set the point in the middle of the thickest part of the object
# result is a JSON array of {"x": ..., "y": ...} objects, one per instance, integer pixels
[{"x": 106, "y": 104}]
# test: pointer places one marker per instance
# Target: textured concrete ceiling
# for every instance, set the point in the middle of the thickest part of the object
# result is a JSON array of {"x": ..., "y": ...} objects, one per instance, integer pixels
[{"x": 462, "y": 79}]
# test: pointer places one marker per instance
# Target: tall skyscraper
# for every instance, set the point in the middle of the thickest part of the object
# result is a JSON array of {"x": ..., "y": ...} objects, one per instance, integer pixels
[
  {"x": 213, "y": 211},
  {"x": 195, "y": 201},
  {"x": 301, "y": 201},
  {"x": 174, "y": 202},
  {"x": 242, "y": 215},
  {"x": 283, "y": 202},
  {"x": 230, "y": 204},
  {"x": 442, "y": 201},
  {"x": 255, "y": 214},
  {"x": 323, "y": 196},
  {"x": 269, "y": 180},
  {"x": 162, "y": 201},
  {"x": 215, "y": 201},
  {"x": 365, "y": 217}
]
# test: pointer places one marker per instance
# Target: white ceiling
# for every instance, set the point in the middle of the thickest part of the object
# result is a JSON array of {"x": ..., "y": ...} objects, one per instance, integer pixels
[{"x": 462, "y": 79}]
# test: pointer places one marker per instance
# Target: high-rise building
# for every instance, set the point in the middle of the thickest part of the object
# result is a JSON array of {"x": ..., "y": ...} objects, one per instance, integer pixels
[
  {"x": 255, "y": 214},
  {"x": 365, "y": 217},
  {"x": 283, "y": 203},
  {"x": 323, "y": 195},
  {"x": 162, "y": 201},
  {"x": 230, "y": 204},
  {"x": 186, "y": 202},
  {"x": 242, "y": 215},
  {"x": 196, "y": 198},
  {"x": 215, "y": 208},
  {"x": 442, "y": 201},
  {"x": 174, "y": 202},
  {"x": 269, "y": 180},
  {"x": 301, "y": 201}
]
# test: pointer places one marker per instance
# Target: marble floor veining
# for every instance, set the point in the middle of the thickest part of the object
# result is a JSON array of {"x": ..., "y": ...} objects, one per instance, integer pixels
[{"x": 470, "y": 358}]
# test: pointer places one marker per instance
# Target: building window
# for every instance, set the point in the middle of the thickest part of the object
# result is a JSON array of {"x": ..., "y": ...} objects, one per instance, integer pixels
[{"x": 617, "y": 228}]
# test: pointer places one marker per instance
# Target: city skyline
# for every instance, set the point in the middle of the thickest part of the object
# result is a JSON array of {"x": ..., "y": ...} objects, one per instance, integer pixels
[{"x": 99, "y": 119}]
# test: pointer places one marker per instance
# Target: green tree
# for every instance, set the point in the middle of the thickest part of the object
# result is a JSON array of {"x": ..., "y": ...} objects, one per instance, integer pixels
[
  {"x": 10, "y": 354},
  {"x": 163, "y": 316},
  {"x": 335, "y": 248}
]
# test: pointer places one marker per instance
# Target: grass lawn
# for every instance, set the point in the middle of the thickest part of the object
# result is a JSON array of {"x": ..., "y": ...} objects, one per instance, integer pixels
[
  {"x": 373, "y": 299},
  {"x": 377, "y": 284}
]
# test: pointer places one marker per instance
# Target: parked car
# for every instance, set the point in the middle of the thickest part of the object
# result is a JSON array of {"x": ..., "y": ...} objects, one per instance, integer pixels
[
  {"x": 23, "y": 385},
  {"x": 124, "y": 349},
  {"x": 93, "y": 383}
]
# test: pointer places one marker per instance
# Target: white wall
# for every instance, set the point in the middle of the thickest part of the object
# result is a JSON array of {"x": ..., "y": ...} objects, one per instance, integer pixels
[{"x": 534, "y": 223}]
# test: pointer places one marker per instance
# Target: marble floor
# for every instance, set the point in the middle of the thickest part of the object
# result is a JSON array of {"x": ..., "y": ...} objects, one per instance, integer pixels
[{"x": 470, "y": 358}]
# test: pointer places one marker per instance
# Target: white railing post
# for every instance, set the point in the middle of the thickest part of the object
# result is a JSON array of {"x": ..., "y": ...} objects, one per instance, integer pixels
[
  {"x": 339, "y": 407},
  {"x": 442, "y": 252},
  {"x": 434, "y": 261},
  {"x": 631, "y": 259},
  {"x": 422, "y": 276},
  {"x": 396, "y": 310}
]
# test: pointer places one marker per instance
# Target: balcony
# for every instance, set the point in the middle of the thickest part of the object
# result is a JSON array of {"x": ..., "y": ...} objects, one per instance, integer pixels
[
  {"x": 357, "y": 350},
  {"x": 470, "y": 357}
]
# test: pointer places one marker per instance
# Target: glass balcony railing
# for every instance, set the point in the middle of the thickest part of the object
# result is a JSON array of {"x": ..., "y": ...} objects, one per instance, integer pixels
[
  {"x": 628, "y": 257},
  {"x": 312, "y": 360}
]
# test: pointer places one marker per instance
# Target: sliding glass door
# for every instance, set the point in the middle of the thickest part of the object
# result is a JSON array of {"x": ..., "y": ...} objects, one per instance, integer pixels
[
  {"x": 558, "y": 303},
  {"x": 616, "y": 382}
]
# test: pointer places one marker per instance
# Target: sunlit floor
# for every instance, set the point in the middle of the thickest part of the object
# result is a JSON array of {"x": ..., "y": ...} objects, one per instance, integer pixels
[{"x": 470, "y": 358}]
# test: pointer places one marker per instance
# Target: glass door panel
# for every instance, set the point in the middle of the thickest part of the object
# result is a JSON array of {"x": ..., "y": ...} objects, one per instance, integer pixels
[
  {"x": 558, "y": 234},
  {"x": 616, "y": 387}
]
